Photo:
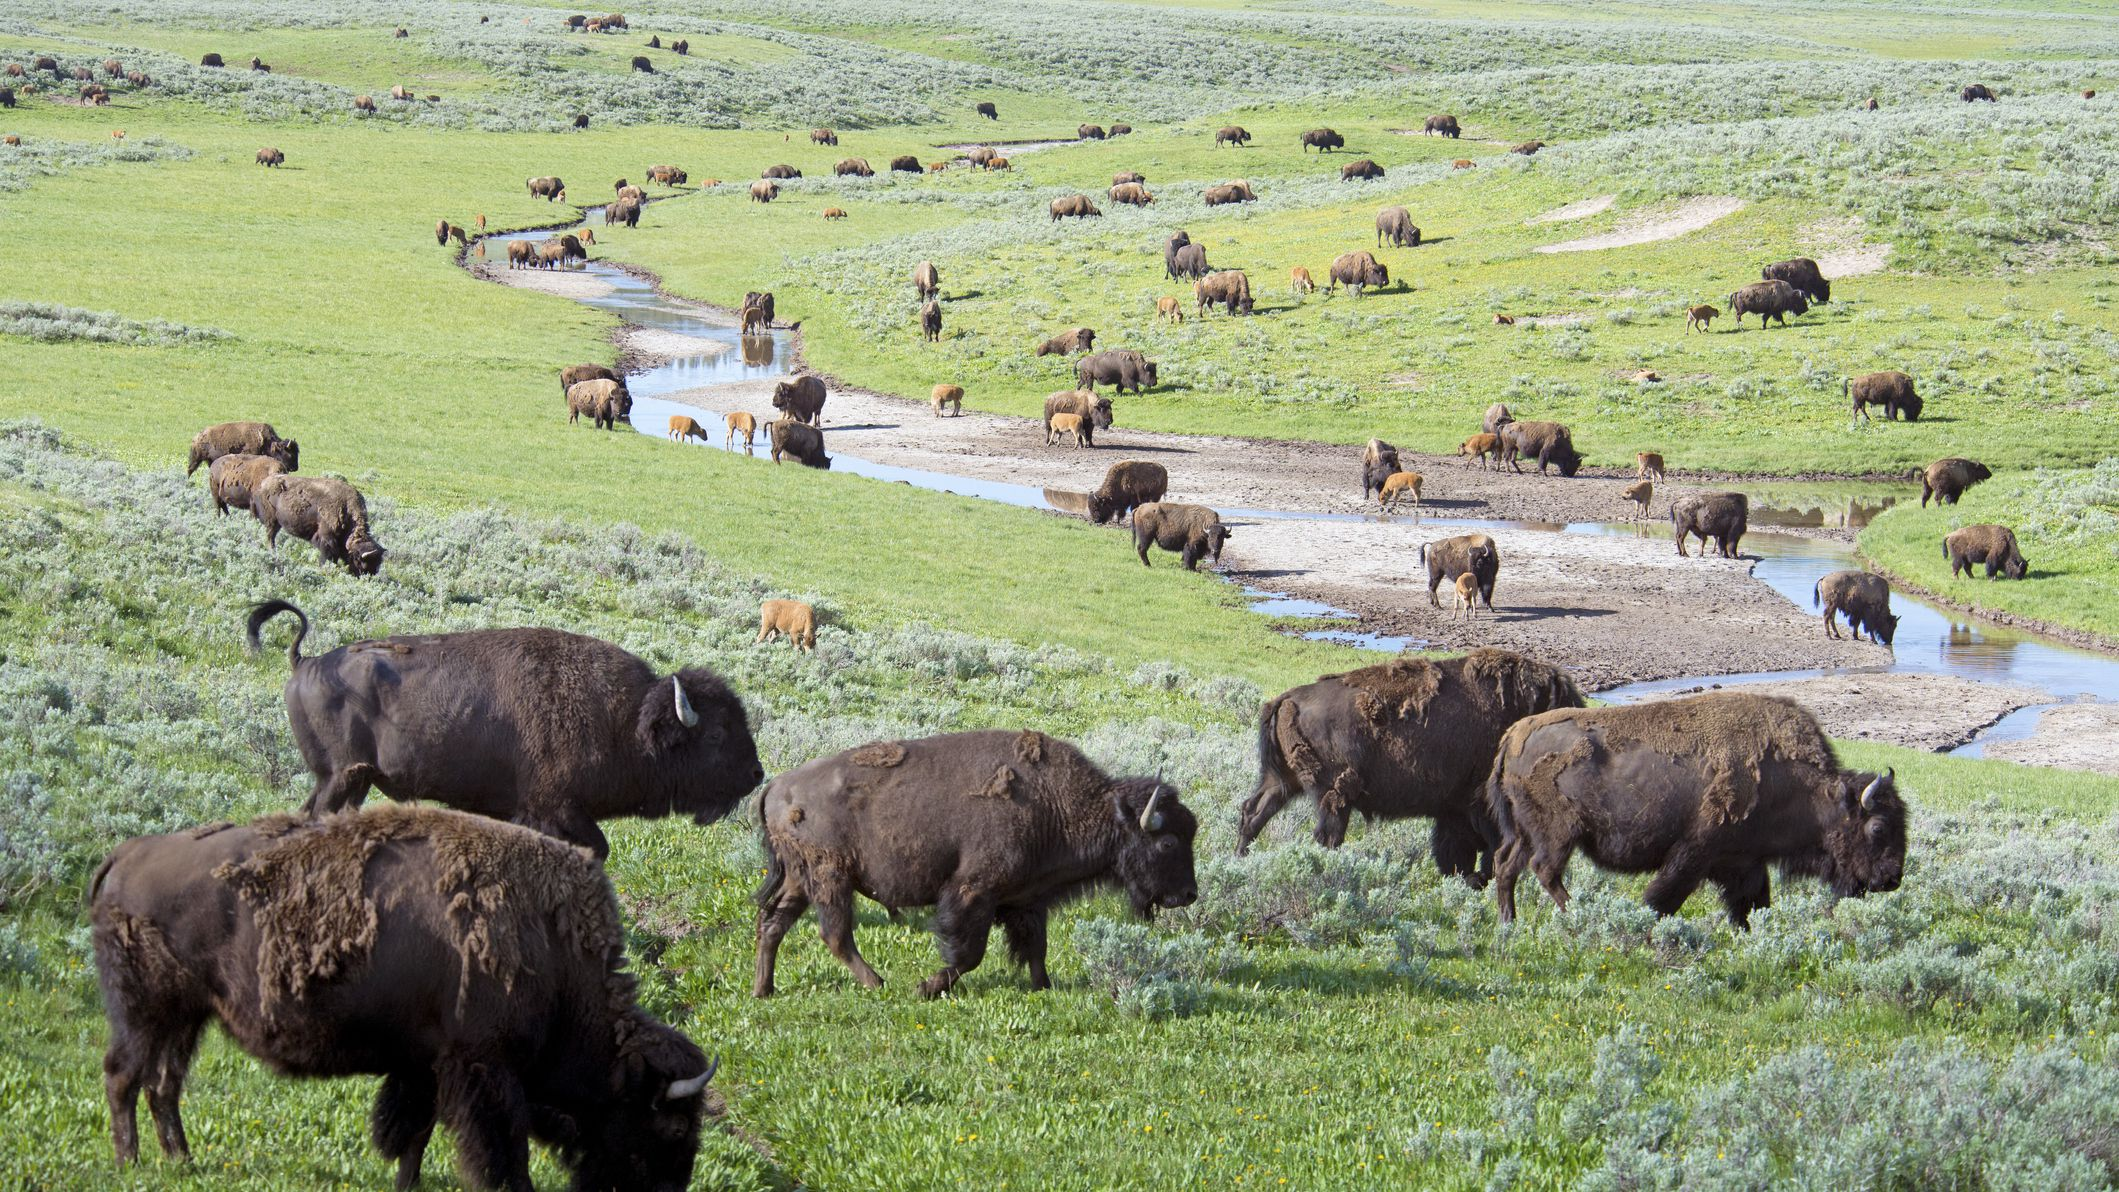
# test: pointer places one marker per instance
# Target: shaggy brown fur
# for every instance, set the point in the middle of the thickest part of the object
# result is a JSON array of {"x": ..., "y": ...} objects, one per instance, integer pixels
[
  {"x": 232, "y": 478},
  {"x": 1379, "y": 462},
  {"x": 1802, "y": 273},
  {"x": 1448, "y": 558},
  {"x": 548, "y": 188},
  {"x": 1081, "y": 339},
  {"x": 1395, "y": 225},
  {"x": 1397, "y": 485},
  {"x": 1231, "y": 289},
  {"x": 1946, "y": 479},
  {"x": 797, "y": 441},
  {"x": 1721, "y": 516},
  {"x": 1864, "y": 598},
  {"x": 1233, "y": 134},
  {"x": 1768, "y": 300},
  {"x": 905, "y": 164},
  {"x": 1122, "y": 369},
  {"x": 762, "y": 191},
  {"x": 1547, "y": 442},
  {"x": 242, "y": 438},
  {"x": 791, "y": 619},
  {"x": 1125, "y": 176},
  {"x": 1648, "y": 465},
  {"x": 926, "y": 279},
  {"x": 270, "y": 156},
  {"x": 606, "y": 402},
  {"x": 1364, "y": 169},
  {"x": 1222, "y": 196},
  {"x": 1497, "y": 416},
  {"x": 1990, "y": 544},
  {"x": 853, "y": 167},
  {"x": 1891, "y": 389},
  {"x": 1132, "y": 194},
  {"x": 1324, "y": 140},
  {"x": 947, "y": 395},
  {"x": 1194, "y": 532},
  {"x": 684, "y": 426},
  {"x": 324, "y": 511},
  {"x": 1357, "y": 271},
  {"x": 574, "y": 374},
  {"x": 801, "y": 398},
  {"x": 1444, "y": 124},
  {"x": 1127, "y": 485},
  {"x": 931, "y": 321},
  {"x": 1076, "y": 206}
]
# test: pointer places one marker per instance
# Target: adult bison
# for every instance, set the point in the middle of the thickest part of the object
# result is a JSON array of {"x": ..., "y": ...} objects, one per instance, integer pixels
[
  {"x": 926, "y": 279},
  {"x": 1234, "y": 134},
  {"x": 1712, "y": 788},
  {"x": 1803, "y": 274},
  {"x": 1357, "y": 271},
  {"x": 905, "y": 164},
  {"x": 1128, "y": 484},
  {"x": 1549, "y": 442},
  {"x": 211, "y": 60},
  {"x": 325, "y": 512},
  {"x": 781, "y": 173},
  {"x": 1089, "y": 132},
  {"x": 1864, "y": 598},
  {"x": 1379, "y": 461},
  {"x": 668, "y": 175},
  {"x": 1094, "y": 411},
  {"x": 799, "y": 442},
  {"x": 1231, "y": 288},
  {"x": 1891, "y": 389},
  {"x": 1125, "y": 176},
  {"x": 607, "y": 402},
  {"x": 1363, "y": 169},
  {"x": 1120, "y": 130},
  {"x": 823, "y": 136},
  {"x": 1066, "y": 343},
  {"x": 1409, "y": 738},
  {"x": 1076, "y": 206},
  {"x": 548, "y": 188},
  {"x": 1473, "y": 554},
  {"x": 1193, "y": 532},
  {"x": 1768, "y": 300},
  {"x": 1446, "y": 125},
  {"x": 1395, "y": 224},
  {"x": 1721, "y": 516},
  {"x": 800, "y": 398},
  {"x": 853, "y": 167},
  {"x": 1995, "y": 546},
  {"x": 931, "y": 321},
  {"x": 271, "y": 156},
  {"x": 1977, "y": 91},
  {"x": 1946, "y": 479},
  {"x": 1178, "y": 239},
  {"x": 987, "y": 827},
  {"x": 242, "y": 438},
  {"x": 1323, "y": 140},
  {"x": 547, "y": 729},
  {"x": 763, "y": 191},
  {"x": 643, "y": 64},
  {"x": 1132, "y": 194},
  {"x": 985, "y": 108},
  {"x": 1497, "y": 416},
  {"x": 1121, "y": 369},
  {"x": 232, "y": 478},
  {"x": 1225, "y": 194}
]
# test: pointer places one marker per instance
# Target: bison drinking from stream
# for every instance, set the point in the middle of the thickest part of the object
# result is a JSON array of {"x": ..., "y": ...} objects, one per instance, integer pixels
[
  {"x": 1721, "y": 516},
  {"x": 1864, "y": 598}
]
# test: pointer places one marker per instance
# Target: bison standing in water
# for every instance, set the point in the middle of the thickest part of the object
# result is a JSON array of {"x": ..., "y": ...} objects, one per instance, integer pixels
[
  {"x": 986, "y": 827},
  {"x": 1713, "y": 788},
  {"x": 326, "y": 512},
  {"x": 478, "y": 968},
  {"x": 551, "y": 730},
  {"x": 1864, "y": 598},
  {"x": 1721, "y": 516},
  {"x": 1409, "y": 738}
]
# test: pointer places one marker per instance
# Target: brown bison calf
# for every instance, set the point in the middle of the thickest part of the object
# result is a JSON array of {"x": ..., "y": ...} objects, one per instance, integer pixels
[
  {"x": 947, "y": 395},
  {"x": 986, "y": 827},
  {"x": 835, "y": 213},
  {"x": 1484, "y": 446},
  {"x": 232, "y": 478},
  {"x": 740, "y": 421},
  {"x": 1990, "y": 544},
  {"x": 792, "y": 619},
  {"x": 1169, "y": 310},
  {"x": 1066, "y": 425},
  {"x": 1946, "y": 479},
  {"x": 1697, "y": 317},
  {"x": 1467, "y": 596},
  {"x": 1127, "y": 485},
  {"x": 1300, "y": 282},
  {"x": 1864, "y": 598},
  {"x": 1195, "y": 532},
  {"x": 1720, "y": 516},
  {"x": 684, "y": 426},
  {"x": 1397, "y": 485},
  {"x": 242, "y": 438},
  {"x": 1465, "y": 554},
  {"x": 1640, "y": 492}
]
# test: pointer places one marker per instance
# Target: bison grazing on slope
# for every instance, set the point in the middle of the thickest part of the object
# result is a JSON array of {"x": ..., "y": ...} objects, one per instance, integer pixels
[
  {"x": 1977, "y": 91},
  {"x": 642, "y": 64},
  {"x": 1721, "y": 516},
  {"x": 1379, "y": 462},
  {"x": 1128, "y": 484},
  {"x": 270, "y": 156},
  {"x": 605, "y": 401},
  {"x": 1446, "y": 125},
  {"x": 1094, "y": 411},
  {"x": 926, "y": 279},
  {"x": 986, "y": 109},
  {"x": 1946, "y": 479},
  {"x": 326, "y": 512},
  {"x": 1527, "y": 148},
  {"x": 1990, "y": 544},
  {"x": 1120, "y": 130},
  {"x": 1550, "y": 442},
  {"x": 931, "y": 321},
  {"x": 1767, "y": 300},
  {"x": 1364, "y": 168},
  {"x": 797, "y": 441},
  {"x": 551, "y": 730},
  {"x": 1195, "y": 532},
  {"x": 1357, "y": 271},
  {"x": 1221, "y": 196},
  {"x": 987, "y": 827},
  {"x": 477, "y": 967},
  {"x": 1708, "y": 789},
  {"x": 1803, "y": 274},
  {"x": 242, "y": 438},
  {"x": 855, "y": 167},
  {"x": 549, "y": 189},
  {"x": 1466, "y": 554},
  {"x": 1081, "y": 339},
  {"x": 1408, "y": 738},
  {"x": 1231, "y": 288},
  {"x": 1324, "y": 140},
  {"x": 1189, "y": 260},
  {"x": 1077, "y": 206},
  {"x": 1178, "y": 239},
  {"x": 800, "y": 398},
  {"x": 905, "y": 164},
  {"x": 1864, "y": 598},
  {"x": 211, "y": 60},
  {"x": 232, "y": 478},
  {"x": 1089, "y": 132},
  {"x": 1234, "y": 134},
  {"x": 1120, "y": 369},
  {"x": 1395, "y": 224},
  {"x": 1132, "y": 194},
  {"x": 1893, "y": 390}
]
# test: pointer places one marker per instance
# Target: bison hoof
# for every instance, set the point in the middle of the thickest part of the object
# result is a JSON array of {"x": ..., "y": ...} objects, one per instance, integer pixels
[{"x": 935, "y": 986}]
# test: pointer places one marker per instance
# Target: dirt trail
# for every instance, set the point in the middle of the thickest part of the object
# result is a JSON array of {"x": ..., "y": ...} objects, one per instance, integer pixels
[{"x": 1650, "y": 227}]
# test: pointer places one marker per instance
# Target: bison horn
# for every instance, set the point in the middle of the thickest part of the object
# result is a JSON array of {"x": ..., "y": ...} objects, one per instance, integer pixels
[
  {"x": 680, "y": 1089},
  {"x": 1868, "y": 794},
  {"x": 684, "y": 704},
  {"x": 1149, "y": 821}
]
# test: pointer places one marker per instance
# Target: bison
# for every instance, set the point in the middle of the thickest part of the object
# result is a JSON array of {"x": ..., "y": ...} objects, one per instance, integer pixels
[
  {"x": 762, "y": 302},
  {"x": 1120, "y": 130},
  {"x": 1122, "y": 370},
  {"x": 1640, "y": 492},
  {"x": 1446, "y": 125},
  {"x": 931, "y": 321},
  {"x": 1364, "y": 169},
  {"x": 1081, "y": 339},
  {"x": 1194, "y": 531},
  {"x": 1223, "y": 195},
  {"x": 1132, "y": 194},
  {"x": 798, "y": 441},
  {"x": 1977, "y": 91},
  {"x": 1648, "y": 464},
  {"x": 1551, "y": 442},
  {"x": 548, "y": 188},
  {"x": 781, "y": 172},
  {"x": 1231, "y": 288},
  {"x": 211, "y": 60},
  {"x": 1697, "y": 317},
  {"x": 1410, "y": 738},
  {"x": 1466, "y": 554},
  {"x": 951, "y": 396},
  {"x": 1125, "y": 176},
  {"x": 641, "y": 64},
  {"x": 740, "y": 423},
  {"x": 364, "y": 103},
  {"x": 1497, "y": 416},
  {"x": 1089, "y": 132},
  {"x": 1396, "y": 485},
  {"x": 1128, "y": 484},
  {"x": 1711, "y": 788},
  {"x": 801, "y": 398},
  {"x": 1357, "y": 271},
  {"x": 326, "y": 512},
  {"x": 1324, "y": 140},
  {"x": 1864, "y": 598},
  {"x": 792, "y": 619},
  {"x": 606, "y": 402},
  {"x": 232, "y": 478},
  {"x": 1990, "y": 544},
  {"x": 1803, "y": 274},
  {"x": 1483, "y": 447},
  {"x": 853, "y": 167},
  {"x": 1767, "y": 299},
  {"x": 1721, "y": 516},
  {"x": 1395, "y": 224},
  {"x": 992, "y": 826},
  {"x": 477, "y": 967},
  {"x": 1094, "y": 411},
  {"x": 574, "y": 374},
  {"x": 1527, "y": 148},
  {"x": 1234, "y": 134},
  {"x": 668, "y": 175},
  {"x": 1946, "y": 479},
  {"x": 926, "y": 279},
  {"x": 985, "y": 108},
  {"x": 242, "y": 438},
  {"x": 270, "y": 156},
  {"x": 1177, "y": 240},
  {"x": 823, "y": 136},
  {"x": 1379, "y": 461},
  {"x": 1076, "y": 206},
  {"x": 763, "y": 191},
  {"x": 906, "y": 164},
  {"x": 1891, "y": 389}
]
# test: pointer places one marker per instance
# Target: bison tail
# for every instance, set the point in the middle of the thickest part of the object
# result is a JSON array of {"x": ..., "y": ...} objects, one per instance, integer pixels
[
  {"x": 265, "y": 612},
  {"x": 1497, "y": 807},
  {"x": 768, "y": 895},
  {"x": 1817, "y": 599}
]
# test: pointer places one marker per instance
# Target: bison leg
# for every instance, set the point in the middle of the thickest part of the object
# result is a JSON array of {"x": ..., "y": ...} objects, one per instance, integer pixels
[
  {"x": 1458, "y": 849},
  {"x": 1673, "y": 883},
  {"x": 1831, "y": 625},
  {"x": 773, "y": 924},
  {"x": 340, "y": 790},
  {"x": 484, "y": 1105},
  {"x": 1024, "y": 929},
  {"x": 1272, "y": 794},
  {"x": 403, "y": 1121},
  {"x": 1509, "y": 861},
  {"x": 835, "y": 924},
  {"x": 572, "y": 826},
  {"x": 961, "y": 925},
  {"x": 1551, "y": 869},
  {"x": 170, "y": 1061},
  {"x": 1744, "y": 890}
]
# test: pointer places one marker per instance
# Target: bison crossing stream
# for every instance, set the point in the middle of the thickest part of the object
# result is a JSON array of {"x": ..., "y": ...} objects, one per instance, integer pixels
[{"x": 1931, "y": 642}]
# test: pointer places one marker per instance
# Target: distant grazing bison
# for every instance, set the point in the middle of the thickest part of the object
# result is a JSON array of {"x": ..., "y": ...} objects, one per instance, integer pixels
[
  {"x": 1364, "y": 169},
  {"x": 1089, "y": 132},
  {"x": 740, "y": 424},
  {"x": 625, "y": 212},
  {"x": 792, "y": 619},
  {"x": 802, "y": 443},
  {"x": 1893, "y": 390},
  {"x": 1223, "y": 195},
  {"x": 1081, "y": 339},
  {"x": 986, "y": 109},
  {"x": 1864, "y": 598},
  {"x": 781, "y": 172},
  {"x": 641, "y": 64},
  {"x": 982, "y": 154},
  {"x": 1721, "y": 516},
  {"x": 211, "y": 60},
  {"x": 232, "y": 478},
  {"x": 1711, "y": 788},
  {"x": 1466, "y": 554},
  {"x": 987, "y": 827},
  {"x": 1094, "y": 411},
  {"x": 1395, "y": 225},
  {"x": 1077, "y": 206},
  {"x": 366, "y": 103},
  {"x": 1379, "y": 461},
  {"x": 548, "y": 188},
  {"x": 763, "y": 191},
  {"x": 800, "y": 398},
  {"x": 242, "y": 438},
  {"x": 667, "y": 175},
  {"x": 926, "y": 279},
  {"x": 1357, "y": 271},
  {"x": 1190, "y": 260},
  {"x": 325, "y": 512},
  {"x": 1976, "y": 91},
  {"x": 1995, "y": 546},
  {"x": 1324, "y": 140},
  {"x": 270, "y": 156},
  {"x": 605, "y": 401},
  {"x": 1120, "y": 369},
  {"x": 1411, "y": 738},
  {"x": 906, "y": 164},
  {"x": 1768, "y": 300},
  {"x": 1547, "y": 442},
  {"x": 1946, "y": 479},
  {"x": 1446, "y": 125},
  {"x": 1194, "y": 532},
  {"x": 931, "y": 321},
  {"x": 1231, "y": 288},
  {"x": 1527, "y": 148},
  {"x": 1127, "y": 485},
  {"x": 1125, "y": 176},
  {"x": 1132, "y": 194},
  {"x": 823, "y": 136},
  {"x": 853, "y": 167},
  {"x": 1120, "y": 130},
  {"x": 400, "y": 93},
  {"x": 1802, "y": 273},
  {"x": 1234, "y": 134}
]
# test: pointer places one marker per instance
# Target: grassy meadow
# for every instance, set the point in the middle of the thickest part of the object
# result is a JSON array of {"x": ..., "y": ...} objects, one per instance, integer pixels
[{"x": 1319, "y": 1019}]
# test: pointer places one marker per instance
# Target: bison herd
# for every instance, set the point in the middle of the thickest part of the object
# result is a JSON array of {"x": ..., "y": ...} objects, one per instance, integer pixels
[{"x": 249, "y": 466}]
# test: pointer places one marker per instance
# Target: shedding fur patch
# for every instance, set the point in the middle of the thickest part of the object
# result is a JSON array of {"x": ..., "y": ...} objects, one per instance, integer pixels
[
  {"x": 881, "y": 754},
  {"x": 1001, "y": 785},
  {"x": 1398, "y": 690},
  {"x": 794, "y": 816},
  {"x": 1030, "y": 747}
]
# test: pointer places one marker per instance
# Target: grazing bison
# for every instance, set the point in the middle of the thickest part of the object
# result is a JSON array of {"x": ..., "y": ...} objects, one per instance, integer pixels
[
  {"x": 1094, "y": 411},
  {"x": 1767, "y": 300},
  {"x": 270, "y": 156},
  {"x": 1221, "y": 196},
  {"x": 1125, "y": 176},
  {"x": 211, "y": 60},
  {"x": 792, "y": 619},
  {"x": 823, "y": 136},
  {"x": 1871, "y": 105},
  {"x": 1893, "y": 390},
  {"x": 1721, "y": 516},
  {"x": 547, "y": 729},
  {"x": 1300, "y": 282},
  {"x": 641, "y": 64},
  {"x": 1697, "y": 317},
  {"x": 1395, "y": 224},
  {"x": 1976, "y": 91},
  {"x": 400, "y": 93},
  {"x": 625, "y": 211},
  {"x": 1132, "y": 194},
  {"x": 581, "y": 121},
  {"x": 366, "y": 103},
  {"x": 1497, "y": 416},
  {"x": 242, "y": 438},
  {"x": 606, "y": 402},
  {"x": 1864, "y": 598},
  {"x": 478, "y": 968},
  {"x": 992, "y": 826},
  {"x": 835, "y": 213},
  {"x": 1360, "y": 169},
  {"x": 1550, "y": 442},
  {"x": 2089, "y": 93},
  {"x": 947, "y": 395},
  {"x": 1194, "y": 531},
  {"x": 1527, "y": 148},
  {"x": 926, "y": 279},
  {"x": 1081, "y": 339},
  {"x": 232, "y": 478},
  {"x": 326, "y": 512},
  {"x": 798, "y": 441},
  {"x": 1089, "y": 132},
  {"x": 1712, "y": 788},
  {"x": 1231, "y": 288},
  {"x": 1803, "y": 274},
  {"x": 931, "y": 321},
  {"x": 1357, "y": 271},
  {"x": 906, "y": 164},
  {"x": 1462, "y": 163},
  {"x": 667, "y": 175},
  {"x": 1077, "y": 206},
  {"x": 1324, "y": 140},
  {"x": 1946, "y": 479},
  {"x": 549, "y": 189},
  {"x": 986, "y": 109},
  {"x": 1128, "y": 484},
  {"x": 1178, "y": 239},
  {"x": 1190, "y": 260},
  {"x": 853, "y": 167},
  {"x": 1466, "y": 554},
  {"x": 1409, "y": 738},
  {"x": 762, "y": 191},
  {"x": 1446, "y": 125},
  {"x": 1120, "y": 369},
  {"x": 982, "y": 154},
  {"x": 1234, "y": 134},
  {"x": 574, "y": 374},
  {"x": 1379, "y": 461},
  {"x": 781, "y": 172},
  {"x": 1120, "y": 130},
  {"x": 7, "y": 97},
  {"x": 1990, "y": 544},
  {"x": 800, "y": 398}
]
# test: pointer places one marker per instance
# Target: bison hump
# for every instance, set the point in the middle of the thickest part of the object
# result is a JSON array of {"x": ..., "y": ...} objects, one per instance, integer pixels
[
  {"x": 1398, "y": 690},
  {"x": 879, "y": 755}
]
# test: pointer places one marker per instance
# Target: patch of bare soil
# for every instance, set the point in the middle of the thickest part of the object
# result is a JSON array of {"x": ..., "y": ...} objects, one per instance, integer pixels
[
  {"x": 1650, "y": 227},
  {"x": 1932, "y": 712},
  {"x": 1577, "y": 210},
  {"x": 646, "y": 347},
  {"x": 2070, "y": 737},
  {"x": 1840, "y": 250}
]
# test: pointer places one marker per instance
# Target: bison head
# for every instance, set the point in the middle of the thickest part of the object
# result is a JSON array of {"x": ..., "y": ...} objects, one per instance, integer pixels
[
  {"x": 646, "y": 1134},
  {"x": 364, "y": 555},
  {"x": 1154, "y": 860},
  {"x": 1567, "y": 459},
  {"x": 288, "y": 452},
  {"x": 1910, "y": 407},
  {"x": 1884, "y": 627},
  {"x": 695, "y": 732},
  {"x": 2015, "y": 566},
  {"x": 1147, "y": 374},
  {"x": 1100, "y": 415},
  {"x": 1101, "y": 508},
  {"x": 1866, "y": 851}
]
